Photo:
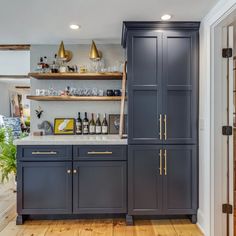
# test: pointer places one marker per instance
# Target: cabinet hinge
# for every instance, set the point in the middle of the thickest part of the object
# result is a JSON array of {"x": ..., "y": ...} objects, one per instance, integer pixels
[
  {"x": 227, "y": 130},
  {"x": 227, "y": 208},
  {"x": 227, "y": 52}
]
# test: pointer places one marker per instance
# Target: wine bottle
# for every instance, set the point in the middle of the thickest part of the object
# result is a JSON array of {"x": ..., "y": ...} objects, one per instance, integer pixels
[
  {"x": 92, "y": 125},
  {"x": 78, "y": 124},
  {"x": 104, "y": 125},
  {"x": 85, "y": 124},
  {"x": 98, "y": 125}
]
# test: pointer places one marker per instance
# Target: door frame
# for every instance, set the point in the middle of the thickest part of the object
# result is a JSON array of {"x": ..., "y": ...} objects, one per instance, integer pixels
[{"x": 212, "y": 220}]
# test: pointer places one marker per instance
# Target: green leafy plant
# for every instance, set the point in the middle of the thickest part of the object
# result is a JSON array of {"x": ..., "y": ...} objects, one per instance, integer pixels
[{"x": 7, "y": 154}]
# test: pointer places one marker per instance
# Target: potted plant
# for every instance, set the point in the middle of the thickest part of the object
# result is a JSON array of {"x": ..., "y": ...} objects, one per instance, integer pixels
[{"x": 7, "y": 154}]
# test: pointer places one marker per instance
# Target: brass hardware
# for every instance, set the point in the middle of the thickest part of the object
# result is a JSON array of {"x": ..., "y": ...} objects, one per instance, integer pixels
[
  {"x": 165, "y": 123},
  {"x": 44, "y": 153},
  {"x": 160, "y": 123},
  {"x": 160, "y": 158},
  {"x": 68, "y": 171},
  {"x": 63, "y": 54},
  {"x": 165, "y": 167},
  {"x": 100, "y": 153},
  {"x": 94, "y": 54},
  {"x": 74, "y": 171}
]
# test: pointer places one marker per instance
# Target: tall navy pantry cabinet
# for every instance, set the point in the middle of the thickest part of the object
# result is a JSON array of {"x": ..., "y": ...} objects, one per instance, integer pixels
[{"x": 162, "y": 75}]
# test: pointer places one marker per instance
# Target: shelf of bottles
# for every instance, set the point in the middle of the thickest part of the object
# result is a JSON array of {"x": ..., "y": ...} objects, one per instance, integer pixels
[
  {"x": 74, "y": 98},
  {"x": 85, "y": 126}
]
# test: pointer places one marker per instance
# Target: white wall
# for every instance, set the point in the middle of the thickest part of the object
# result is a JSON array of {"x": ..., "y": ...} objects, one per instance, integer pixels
[
  {"x": 14, "y": 62},
  {"x": 111, "y": 55},
  {"x": 4, "y": 100}
]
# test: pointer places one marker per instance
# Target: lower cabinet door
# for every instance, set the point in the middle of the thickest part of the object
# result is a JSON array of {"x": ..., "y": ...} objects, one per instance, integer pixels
[
  {"x": 145, "y": 180},
  {"x": 99, "y": 187},
  {"x": 44, "y": 187},
  {"x": 180, "y": 180}
]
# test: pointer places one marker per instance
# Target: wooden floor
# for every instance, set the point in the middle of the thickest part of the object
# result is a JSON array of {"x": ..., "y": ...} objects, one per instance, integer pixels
[{"x": 106, "y": 227}]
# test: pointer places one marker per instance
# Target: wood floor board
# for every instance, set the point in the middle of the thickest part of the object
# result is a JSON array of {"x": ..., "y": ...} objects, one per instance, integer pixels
[
  {"x": 163, "y": 228},
  {"x": 107, "y": 227},
  {"x": 184, "y": 228}
]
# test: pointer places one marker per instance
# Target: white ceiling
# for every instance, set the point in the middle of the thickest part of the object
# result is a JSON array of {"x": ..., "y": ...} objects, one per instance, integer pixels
[{"x": 47, "y": 21}]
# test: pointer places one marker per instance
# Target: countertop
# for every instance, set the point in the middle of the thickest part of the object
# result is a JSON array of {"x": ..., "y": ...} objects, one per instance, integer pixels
[{"x": 72, "y": 140}]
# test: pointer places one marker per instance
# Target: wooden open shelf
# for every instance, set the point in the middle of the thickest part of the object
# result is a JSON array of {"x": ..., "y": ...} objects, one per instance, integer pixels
[
  {"x": 74, "y": 98},
  {"x": 78, "y": 76}
]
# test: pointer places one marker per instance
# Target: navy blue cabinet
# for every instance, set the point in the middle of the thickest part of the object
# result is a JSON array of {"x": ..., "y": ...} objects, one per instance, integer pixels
[
  {"x": 162, "y": 180},
  {"x": 180, "y": 86},
  {"x": 44, "y": 188},
  {"x": 99, "y": 187},
  {"x": 144, "y": 69},
  {"x": 162, "y": 72},
  {"x": 89, "y": 179},
  {"x": 144, "y": 180},
  {"x": 162, "y": 76}
]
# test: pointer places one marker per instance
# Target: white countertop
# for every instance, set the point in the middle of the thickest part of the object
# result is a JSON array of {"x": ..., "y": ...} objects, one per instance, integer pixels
[{"x": 72, "y": 140}]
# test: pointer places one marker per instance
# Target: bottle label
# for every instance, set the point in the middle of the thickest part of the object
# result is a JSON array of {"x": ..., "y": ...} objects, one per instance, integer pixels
[
  {"x": 91, "y": 129},
  {"x": 98, "y": 129},
  {"x": 78, "y": 128},
  {"x": 104, "y": 129}
]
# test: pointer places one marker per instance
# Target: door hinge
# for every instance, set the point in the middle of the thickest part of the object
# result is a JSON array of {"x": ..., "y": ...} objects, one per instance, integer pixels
[
  {"x": 227, "y": 130},
  {"x": 227, "y": 208},
  {"x": 227, "y": 52}
]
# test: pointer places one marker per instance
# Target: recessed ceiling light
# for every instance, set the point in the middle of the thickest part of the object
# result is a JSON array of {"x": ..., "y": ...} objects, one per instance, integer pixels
[
  {"x": 166, "y": 17},
  {"x": 74, "y": 27}
]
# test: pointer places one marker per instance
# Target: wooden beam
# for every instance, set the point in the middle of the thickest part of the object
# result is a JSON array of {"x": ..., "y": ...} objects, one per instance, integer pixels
[
  {"x": 14, "y": 77},
  {"x": 14, "y": 47},
  {"x": 22, "y": 87}
]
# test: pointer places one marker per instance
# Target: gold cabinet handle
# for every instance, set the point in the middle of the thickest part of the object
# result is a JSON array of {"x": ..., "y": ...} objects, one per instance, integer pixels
[
  {"x": 160, "y": 124},
  {"x": 165, "y": 166},
  {"x": 160, "y": 160},
  {"x": 165, "y": 123},
  {"x": 74, "y": 171},
  {"x": 100, "y": 153},
  {"x": 68, "y": 171},
  {"x": 44, "y": 153}
]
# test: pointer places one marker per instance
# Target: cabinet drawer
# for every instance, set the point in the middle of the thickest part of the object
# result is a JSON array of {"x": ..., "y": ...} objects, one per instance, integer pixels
[
  {"x": 44, "y": 153},
  {"x": 100, "y": 152}
]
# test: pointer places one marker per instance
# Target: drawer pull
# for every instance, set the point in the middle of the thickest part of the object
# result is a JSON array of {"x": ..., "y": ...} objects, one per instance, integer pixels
[
  {"x": 68, "y": 171},
  {"x": 100, "y": 153},
  {"x": 44, "y": 153},
  {"x": 74, "y": 171}
]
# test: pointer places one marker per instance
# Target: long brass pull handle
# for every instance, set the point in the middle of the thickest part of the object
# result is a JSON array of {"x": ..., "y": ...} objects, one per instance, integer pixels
[
  {"x": 160, "y": 160},
  {"x": 160, "y": 124},
  {"x": 44, "y": 153},
  {"x": 100, "y": 153},
  {"x": 165, "y": 166},
  {"x": 165, "y": 123}
]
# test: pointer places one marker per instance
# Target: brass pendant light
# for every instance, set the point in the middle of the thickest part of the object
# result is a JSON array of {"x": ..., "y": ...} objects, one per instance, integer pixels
[
  {"x": 94, "y": 54},
  {"x": 63, "y": 54}
]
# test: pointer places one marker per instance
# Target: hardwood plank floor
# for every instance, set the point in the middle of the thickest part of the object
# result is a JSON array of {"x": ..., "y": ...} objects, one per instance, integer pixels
[{"x": 107, "y": 227}]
